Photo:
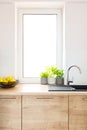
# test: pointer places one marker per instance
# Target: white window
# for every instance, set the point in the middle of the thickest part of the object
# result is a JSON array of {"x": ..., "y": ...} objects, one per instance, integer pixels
[{"x": 39, "y": 42}]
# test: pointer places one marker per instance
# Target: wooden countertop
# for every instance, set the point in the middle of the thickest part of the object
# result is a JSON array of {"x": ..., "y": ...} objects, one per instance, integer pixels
[{"x": 36, "y": 89}]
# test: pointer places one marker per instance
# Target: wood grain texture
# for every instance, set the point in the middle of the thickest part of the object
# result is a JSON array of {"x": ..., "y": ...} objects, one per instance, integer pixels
[
  {"x": 10, "y": 112},
  {"x": 78, "y": 112},
  {"x": 45, "y": 112},
  {"x": 36, "y": 89}
]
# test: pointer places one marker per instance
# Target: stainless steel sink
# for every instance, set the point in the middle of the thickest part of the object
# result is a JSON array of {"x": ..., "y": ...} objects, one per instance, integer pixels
[
  {"x": 67, "y": 88},
  {"x": 60, "y": 88}
]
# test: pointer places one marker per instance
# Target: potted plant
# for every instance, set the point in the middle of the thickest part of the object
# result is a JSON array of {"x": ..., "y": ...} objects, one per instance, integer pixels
[
  {"x": 59, "y": 77},
  {"x": 44, "y": 77},
  {"x": 51, "y": 74}
]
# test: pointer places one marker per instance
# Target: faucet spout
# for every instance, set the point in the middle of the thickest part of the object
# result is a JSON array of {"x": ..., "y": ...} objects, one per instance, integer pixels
[{"x": 68, "y": 81}]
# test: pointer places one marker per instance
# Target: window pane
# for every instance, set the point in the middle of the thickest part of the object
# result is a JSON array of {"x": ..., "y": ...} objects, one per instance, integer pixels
[{"x": 39, "y": 43}]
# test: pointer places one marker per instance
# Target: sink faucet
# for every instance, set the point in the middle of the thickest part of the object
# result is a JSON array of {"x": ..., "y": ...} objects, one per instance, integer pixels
[{"x": 68, "y": 81}]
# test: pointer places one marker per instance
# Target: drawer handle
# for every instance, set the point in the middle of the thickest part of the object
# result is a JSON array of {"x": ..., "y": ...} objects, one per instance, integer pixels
[
  {"x": 85, "y": 99},
  {"x": 43, "y": 98},
  {"x": 6, "y": 98}
]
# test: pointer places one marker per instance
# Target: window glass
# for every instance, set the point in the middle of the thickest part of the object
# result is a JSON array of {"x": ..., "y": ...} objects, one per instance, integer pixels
[{"x": 39, "y": 43}]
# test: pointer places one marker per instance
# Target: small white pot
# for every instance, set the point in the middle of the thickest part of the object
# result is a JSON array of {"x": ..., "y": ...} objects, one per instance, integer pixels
[{"x": 52, "y": 81}]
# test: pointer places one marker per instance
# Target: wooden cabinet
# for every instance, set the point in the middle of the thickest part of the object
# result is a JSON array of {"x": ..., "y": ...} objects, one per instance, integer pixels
[
  {"x": 78, "y": 112},
  {"x": 10, "y": 112},
  {"x": 45, "y": 112}
]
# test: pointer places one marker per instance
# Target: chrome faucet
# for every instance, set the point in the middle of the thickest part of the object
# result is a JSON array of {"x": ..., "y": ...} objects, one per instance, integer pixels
[{"x": 70, "y": 81}]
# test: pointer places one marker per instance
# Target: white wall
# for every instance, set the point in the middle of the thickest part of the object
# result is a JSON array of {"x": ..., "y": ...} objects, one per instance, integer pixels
[
  {"x": 7, "y": 39},
  {"x": 75, "y": 39}
]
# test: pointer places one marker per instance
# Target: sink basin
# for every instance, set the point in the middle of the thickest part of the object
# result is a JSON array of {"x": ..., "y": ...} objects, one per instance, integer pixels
[
  {"x": 67, "y": 88},
  {"x": 79, "y": 86},
  {"x": 60, "y": 88}
]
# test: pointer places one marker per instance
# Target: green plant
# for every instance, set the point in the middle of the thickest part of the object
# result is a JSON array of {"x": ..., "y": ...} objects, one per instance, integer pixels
[
  {"x": 53, "y": 72},
  {"x": 59, "y": 74},
  {"x": 44, "y": 74}
]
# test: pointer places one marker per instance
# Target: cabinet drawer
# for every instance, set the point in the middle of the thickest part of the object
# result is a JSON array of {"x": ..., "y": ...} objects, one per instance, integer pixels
[
  {"x": 45, "y": 112},
  {"x": 10, "y": 112},
  {"x": 78, "y": 112},
  {"x": 40, "y": 99}
]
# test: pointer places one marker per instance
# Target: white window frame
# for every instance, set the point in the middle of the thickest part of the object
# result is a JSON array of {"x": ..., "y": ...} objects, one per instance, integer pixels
[{"x": 19, "y": 40}]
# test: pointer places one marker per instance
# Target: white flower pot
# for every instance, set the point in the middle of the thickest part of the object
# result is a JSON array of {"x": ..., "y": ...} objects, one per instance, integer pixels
[{"x": 52, "y": 81}]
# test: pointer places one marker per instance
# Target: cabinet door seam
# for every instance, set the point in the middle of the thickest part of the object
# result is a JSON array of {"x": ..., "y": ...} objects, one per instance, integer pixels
[
  {"x": 21, "y": 112},
  {"x": 68, "y": 112}
]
